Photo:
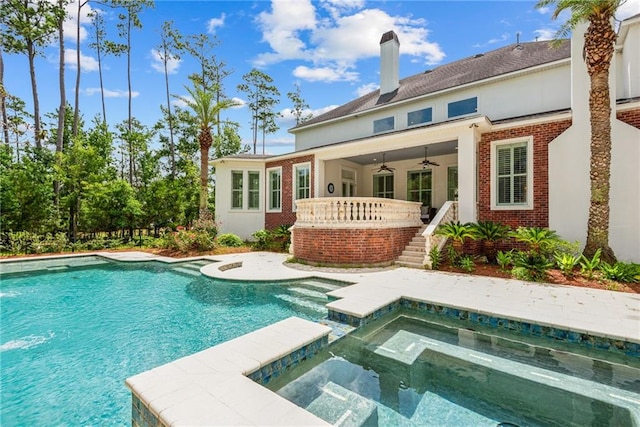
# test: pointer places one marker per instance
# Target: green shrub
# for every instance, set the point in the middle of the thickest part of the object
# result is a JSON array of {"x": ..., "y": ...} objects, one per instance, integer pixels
[
  {"x": 185, "y": 241},
  {"x": 230, "y": 240},
  {"x": 589, "y": 266},
  {"x": 436, "y": 258},
  {"x": 466, "y": 263},
  {"x": 24, "y": 242},
  {"x": 263, "y": 239},
  {"x": 540, "y": 240},
  {"x": 621, "y": 272},
  {"x": 490, "y": 233},
  {"x": 566, "y": 262},
  {"x": 530, "y": 266},
  {"x": 504, "y": 259}
]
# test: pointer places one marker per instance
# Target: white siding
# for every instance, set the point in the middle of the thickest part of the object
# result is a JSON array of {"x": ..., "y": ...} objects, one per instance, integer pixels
[
  {"x": 533, "y": 93},
  {"x": 242, "y": 222}
]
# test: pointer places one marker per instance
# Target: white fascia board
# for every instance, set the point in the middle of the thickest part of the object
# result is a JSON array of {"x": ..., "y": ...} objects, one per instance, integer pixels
[
  {"x": 533, "y": 121},
  {"x": 508, "y": 76}
]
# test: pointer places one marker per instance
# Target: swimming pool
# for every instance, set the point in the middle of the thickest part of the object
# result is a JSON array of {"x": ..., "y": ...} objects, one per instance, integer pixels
[
  {"x": 417, "y": 372},
  {"x": 74, "y": 329}
]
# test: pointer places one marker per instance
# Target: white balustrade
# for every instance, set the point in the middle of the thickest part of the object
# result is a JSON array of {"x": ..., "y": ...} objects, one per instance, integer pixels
[
  {"x": 447, "y": 213},
  {"x": 357, "y": 212}
]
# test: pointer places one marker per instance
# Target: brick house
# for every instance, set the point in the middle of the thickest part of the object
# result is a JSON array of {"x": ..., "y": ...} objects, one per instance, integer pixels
[{"x": 500, "y": 136}]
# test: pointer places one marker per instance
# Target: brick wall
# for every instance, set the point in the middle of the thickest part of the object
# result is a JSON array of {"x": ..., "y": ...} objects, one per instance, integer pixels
[
  {"x": 351, "y": 246},
  {"x": 542, "y": 135},
  {"x": 630, "y": 117},
  {"x": 287, "y": 216}
]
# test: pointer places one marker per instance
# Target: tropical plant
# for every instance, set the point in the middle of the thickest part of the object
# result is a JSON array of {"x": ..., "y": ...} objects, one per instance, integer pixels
[
  {"x": 263, "y": 239},
  {"x": 566, "y": 263},
  {"x": 598, "y": 53},
  {"x": 466, "y": 263},
  {"x": 531, "y": 266},
  {"x": 490, "y": 233},
  {"x": 203, "y": 105},
  {"x": 230, "y": 240},
  {"x": 436, "y": 258},
  {"x": 589, "y": 265},
  {"x": 457, "y": 232},
  {"x": 540, "y": 240},
  {"x": 504, "y": 259},
  {"x": 621, "y": 272}
]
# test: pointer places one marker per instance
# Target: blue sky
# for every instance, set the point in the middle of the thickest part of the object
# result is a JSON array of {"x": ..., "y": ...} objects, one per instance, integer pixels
[{"x": 330, "y": 48}]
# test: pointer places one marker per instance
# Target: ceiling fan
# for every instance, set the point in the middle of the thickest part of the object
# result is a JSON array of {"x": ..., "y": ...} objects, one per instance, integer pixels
[
  {"x": 426, "y": 162},
  {"x": 384, "y": 168}
]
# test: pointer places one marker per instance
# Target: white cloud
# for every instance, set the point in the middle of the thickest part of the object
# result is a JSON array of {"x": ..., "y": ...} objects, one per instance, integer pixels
[
  {"x": 334, "y": 44},
  {"x": 503, "y": 38},
  {"x": 181, "y": 101},
  {"x": 366, "y": 88},
  {"x": 240, "y": 103},
  {"x": 70, "y": 24},
  {"x": 543, "y": 10},
  {"x": 288, "y": 120},
  {"x": 110, "y": 93},
  {"x": 157, "y": 62},
  {"x": 325, "y": 74},
  {"x": 87, "y": 63},
  {"x": 544, "y": 34},
  {"x": 214, "y": 23}
]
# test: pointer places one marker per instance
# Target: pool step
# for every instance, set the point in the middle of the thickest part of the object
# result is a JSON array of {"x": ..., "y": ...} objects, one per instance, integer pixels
[
  {"x": 187, "y": 271},
  {"x": 321, "y": 285},
  {"x": 302, "y": 302},
  {"x": 309, "y": 293},
  {"x": 344, "y": 408}
]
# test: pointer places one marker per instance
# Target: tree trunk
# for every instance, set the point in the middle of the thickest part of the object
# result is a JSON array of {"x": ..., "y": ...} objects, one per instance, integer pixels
[
  {"x": 172, "y": 148},
  {"x": 31, "y": 53},
  {"x": 104, "y": 110},
  {"x": 3, "y": 104},
  {"x": 76, "y": 105},
  {"x": 204, "y": 178},
  {"x": 130, "y": 142},
  {"x": 599, "y": 40},
  {"x": 61, "y": 109}
]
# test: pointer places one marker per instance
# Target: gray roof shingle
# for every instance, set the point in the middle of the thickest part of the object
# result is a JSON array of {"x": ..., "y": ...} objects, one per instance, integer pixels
[{"x": 468, "y": 70}]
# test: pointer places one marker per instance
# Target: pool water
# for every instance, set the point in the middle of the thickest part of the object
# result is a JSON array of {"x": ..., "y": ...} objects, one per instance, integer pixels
[
  {"x": 413, "y": 372},
  {"x": 72, "y": 335}
]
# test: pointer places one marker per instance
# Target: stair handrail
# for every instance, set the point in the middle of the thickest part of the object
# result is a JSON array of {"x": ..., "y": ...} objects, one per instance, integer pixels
[{"x": 447, "y": 213}]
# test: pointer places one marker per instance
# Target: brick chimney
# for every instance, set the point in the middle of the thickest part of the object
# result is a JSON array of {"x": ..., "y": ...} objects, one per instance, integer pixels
[{"x": 389, "y": 62}]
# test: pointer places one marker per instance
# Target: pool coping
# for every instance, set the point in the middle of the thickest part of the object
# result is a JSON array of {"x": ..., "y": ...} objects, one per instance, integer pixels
[{"x": 191, "y": 385}]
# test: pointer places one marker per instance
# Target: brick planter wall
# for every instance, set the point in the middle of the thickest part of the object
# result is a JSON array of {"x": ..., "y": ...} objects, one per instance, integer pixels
[
  {"x": 350, "y": 246},
  {"x": 542, "y": 135},
  {"x": 287, "y": 216}
]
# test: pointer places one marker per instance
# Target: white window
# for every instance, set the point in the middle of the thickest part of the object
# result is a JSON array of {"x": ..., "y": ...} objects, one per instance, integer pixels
[
  {"x": 236, "y": 189},
  {"x": 383, "y": 186},
  {"x": 452, "y": 183},
  {"x": 419, "y": 187},
  {"x": 348, "y": 182},
  {"x": 383, "y": 125},
  {"x": 512, "y": 174},
  {"x": 302, "y": 180},
  {"x": 275, "y": 189},
  {"x": 254, "y": 190}
]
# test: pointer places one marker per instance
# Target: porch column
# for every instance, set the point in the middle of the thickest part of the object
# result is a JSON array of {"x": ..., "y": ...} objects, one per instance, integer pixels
[{"x": 467, "y": 175}]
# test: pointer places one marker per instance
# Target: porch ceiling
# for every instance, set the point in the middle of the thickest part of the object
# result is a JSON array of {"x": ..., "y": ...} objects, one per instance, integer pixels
[{"x": 438, "y": 149}]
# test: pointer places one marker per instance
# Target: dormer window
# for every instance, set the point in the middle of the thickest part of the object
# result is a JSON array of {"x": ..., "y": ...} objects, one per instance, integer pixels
[{"x": 383, "y": 125}]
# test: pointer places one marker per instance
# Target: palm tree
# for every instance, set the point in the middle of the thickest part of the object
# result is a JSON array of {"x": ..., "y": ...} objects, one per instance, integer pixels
[
  {"x": 206, "y": 109},
  {"x": 598, "y": 53}
]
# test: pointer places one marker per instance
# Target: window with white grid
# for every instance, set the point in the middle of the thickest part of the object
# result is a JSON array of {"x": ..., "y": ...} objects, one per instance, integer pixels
[{"x": 512, "y": 174}]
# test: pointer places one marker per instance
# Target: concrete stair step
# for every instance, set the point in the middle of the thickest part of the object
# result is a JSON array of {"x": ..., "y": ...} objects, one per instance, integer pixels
[
  {"x": 414, "y": 259},
  {"x": 413, "y": 253},
  {"x": 410, "y": 264}
]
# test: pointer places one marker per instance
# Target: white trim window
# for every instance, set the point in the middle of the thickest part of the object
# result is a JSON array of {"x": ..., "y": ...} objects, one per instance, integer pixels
[
  {"x": 275, "y": 189},
  {"x": 512, "y": 174},
  {"x": 419, "y": 186},
  {"x": 236, "y": 189},
  {"x": 254, "y": 190},
  {"x": 302, "y": 182},
  {"x": 384, "y": 125},
  {"x": 383, "y": 186}
]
